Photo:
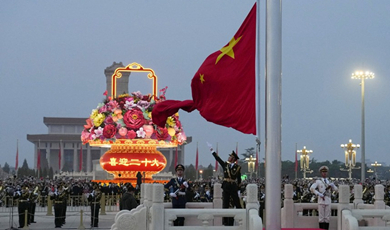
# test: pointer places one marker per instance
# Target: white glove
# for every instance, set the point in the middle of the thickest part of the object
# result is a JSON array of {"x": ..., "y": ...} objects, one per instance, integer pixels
[
  {"x": 185, "y": 184},
  {"x": 239, "y": 193},
  {"x": 182, "y": 193},
  {"x": 210, "y": 146},
  {"x": 172, "y": 194},
  {"x": 331, "y": 184},
  {"x": 321, "y": 195}
]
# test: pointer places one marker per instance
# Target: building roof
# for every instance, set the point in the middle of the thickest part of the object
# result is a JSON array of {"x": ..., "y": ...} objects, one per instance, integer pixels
[
  {"x": 64, "y": 121},
  {"x": 53, "y": 137}
]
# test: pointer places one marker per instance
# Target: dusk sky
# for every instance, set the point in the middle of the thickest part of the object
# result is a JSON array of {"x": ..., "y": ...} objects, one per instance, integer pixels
[{"x": 53, "y": 55}]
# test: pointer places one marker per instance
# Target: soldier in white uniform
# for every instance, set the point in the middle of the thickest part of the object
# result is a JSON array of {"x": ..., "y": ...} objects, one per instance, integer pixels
[{"x": 323, "y": 188}]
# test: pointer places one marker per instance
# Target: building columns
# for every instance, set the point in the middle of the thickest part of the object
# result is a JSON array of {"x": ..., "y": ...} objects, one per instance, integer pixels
[
  {"x": 89, "y": 160},
  {"x": 75, "y": 158}
]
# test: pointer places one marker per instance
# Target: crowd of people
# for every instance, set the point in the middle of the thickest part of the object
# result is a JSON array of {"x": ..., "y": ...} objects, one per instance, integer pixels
[{"x": 28, "y": 193}]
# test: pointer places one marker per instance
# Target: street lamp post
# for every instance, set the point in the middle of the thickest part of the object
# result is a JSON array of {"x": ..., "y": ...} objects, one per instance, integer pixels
[
  {"x": 350, "y": 157},
  {"x": 251, "y": 165},
  {"x": 363, "y": 75},
  {"x": 376, "y": 164},
  {"x": 304, "y": 159},
  {"x": 201, "y": 174}
]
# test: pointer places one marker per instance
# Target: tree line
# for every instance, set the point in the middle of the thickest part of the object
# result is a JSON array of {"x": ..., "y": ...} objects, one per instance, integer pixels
[
  {"x": 337, "y": 169},
  {"x": 25, "y": 171}
]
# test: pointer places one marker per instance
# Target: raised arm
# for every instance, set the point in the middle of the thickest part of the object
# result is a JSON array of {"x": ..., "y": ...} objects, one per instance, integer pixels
[{"x": 217, "y": 158}]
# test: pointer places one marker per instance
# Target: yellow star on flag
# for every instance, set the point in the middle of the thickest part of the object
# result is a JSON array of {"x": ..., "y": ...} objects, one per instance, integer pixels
[
  {"x": 201, "y": 78},
  {"x": 228, "y": 50}
]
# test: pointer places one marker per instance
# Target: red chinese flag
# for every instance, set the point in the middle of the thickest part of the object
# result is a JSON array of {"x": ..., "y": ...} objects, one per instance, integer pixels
[
  {"x": 81, "y": 158},
  {"x": 39, "y": 159},
  {"x": 223, "y": 88},
  {"x": 59, "y": 159},
  {"x": 17, "y": 158},
  {"x": 176, "y": 157},
  {"x": 196, "y": 160}
]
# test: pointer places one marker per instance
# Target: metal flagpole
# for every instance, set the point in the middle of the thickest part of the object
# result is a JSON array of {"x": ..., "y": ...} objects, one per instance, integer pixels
[
  {"x": 273, "y": 118},
  {"x": 258, "y": 69}
]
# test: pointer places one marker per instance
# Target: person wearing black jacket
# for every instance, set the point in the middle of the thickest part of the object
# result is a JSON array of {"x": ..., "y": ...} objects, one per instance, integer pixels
[
  {"x": 231, "y": 183},
  {"x": 128, "y": 200}
]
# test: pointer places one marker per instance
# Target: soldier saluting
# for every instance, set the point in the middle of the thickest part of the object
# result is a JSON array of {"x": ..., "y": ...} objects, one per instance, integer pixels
[{"x": 231, "y": 182}]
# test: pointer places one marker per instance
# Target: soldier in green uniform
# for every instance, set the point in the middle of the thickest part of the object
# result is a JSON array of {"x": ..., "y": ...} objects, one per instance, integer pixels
[
  {"x": 33, "y": 202},
  {"x": 94, "y": 199},
  {"x": 58, "y": 197},
  {"x": 22, "y": 197},
  {"x": 231, "y": 183}
]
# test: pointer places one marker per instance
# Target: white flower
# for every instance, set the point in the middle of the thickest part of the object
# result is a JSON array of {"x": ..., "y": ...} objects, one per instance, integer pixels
[
  {"x": 141, "y": 133},
  {"x": 130, "y": 104},
  {"x": 98, "y": 133}
]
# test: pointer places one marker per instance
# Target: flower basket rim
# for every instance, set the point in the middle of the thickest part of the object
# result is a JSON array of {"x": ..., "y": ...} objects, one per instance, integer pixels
[{"x": 149, "y": 142}]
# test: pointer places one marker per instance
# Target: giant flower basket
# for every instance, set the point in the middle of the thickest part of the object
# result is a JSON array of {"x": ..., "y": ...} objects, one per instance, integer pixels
[{"x": 124, "y": 124}]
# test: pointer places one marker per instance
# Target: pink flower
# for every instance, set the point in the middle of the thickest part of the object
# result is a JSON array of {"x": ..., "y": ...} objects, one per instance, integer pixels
[
  {"x": 103, "y": 109},
  {"x": 131, "y": 134},
  {"x": 122, "y": 131},
  {"x": 112, "y": 105},
  {"x": 85, "y": 136},
  {"x": 181, "y": 137},
  {"x": 148, "y": 130},
  {"x": 97, "y": 133},
  {"x": 134, "y": 119}
]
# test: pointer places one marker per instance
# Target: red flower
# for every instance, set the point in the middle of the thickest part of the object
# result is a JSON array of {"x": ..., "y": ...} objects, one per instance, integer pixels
[
  {"x": 109, "y": 120},
  {"x": 134, "y": 119},
  {"x": 109, "y": 131},
  {"x": 161, "y": 133},
  {"x": 146, "y": 98},
  {"x": 131, "y": 134},
  {"x": 121, "y": 102}
]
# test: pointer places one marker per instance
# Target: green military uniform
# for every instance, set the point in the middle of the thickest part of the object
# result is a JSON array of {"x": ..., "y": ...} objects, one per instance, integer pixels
[
  {"x": 94, "y": 199},
  {"x": 230, "y": 184}
]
